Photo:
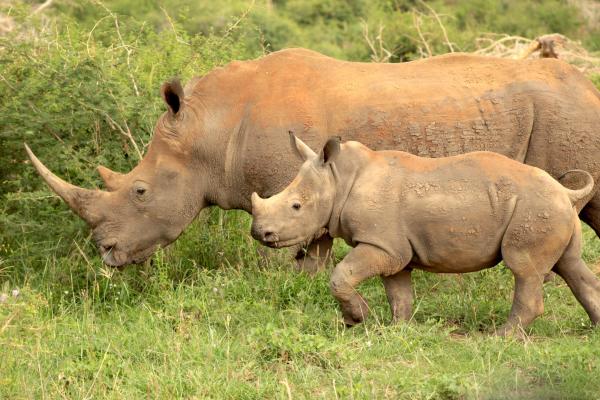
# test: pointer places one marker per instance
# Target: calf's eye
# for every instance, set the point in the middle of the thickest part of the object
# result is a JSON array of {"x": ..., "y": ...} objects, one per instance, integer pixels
[
  {"x": 140, "y": 191},
  {"x": 296, "y": 206}
]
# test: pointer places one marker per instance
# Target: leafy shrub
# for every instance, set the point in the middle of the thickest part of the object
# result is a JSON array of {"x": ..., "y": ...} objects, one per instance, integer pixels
[{"x": 74, "y": 93}]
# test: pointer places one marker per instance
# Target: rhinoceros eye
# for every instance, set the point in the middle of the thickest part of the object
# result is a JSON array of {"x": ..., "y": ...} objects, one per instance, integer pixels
[
  {"x": 140, "y": 190},
  {"x": 296, "y": 206}
]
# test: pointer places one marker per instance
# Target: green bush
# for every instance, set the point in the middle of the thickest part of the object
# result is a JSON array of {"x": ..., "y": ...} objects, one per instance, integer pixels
[{"x": 73, "y": 94}]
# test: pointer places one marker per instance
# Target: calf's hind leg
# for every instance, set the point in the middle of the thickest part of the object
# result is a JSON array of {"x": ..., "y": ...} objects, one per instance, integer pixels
[
  {"x": 363, "y": 262},
  {"x": 529, "y": 267},
  {"x": 528, "y": 303},
  {"x": 582, "y": 282}
]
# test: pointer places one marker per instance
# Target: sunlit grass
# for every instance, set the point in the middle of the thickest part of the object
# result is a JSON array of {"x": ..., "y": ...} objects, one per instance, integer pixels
[{"x": 211, "y": 317}]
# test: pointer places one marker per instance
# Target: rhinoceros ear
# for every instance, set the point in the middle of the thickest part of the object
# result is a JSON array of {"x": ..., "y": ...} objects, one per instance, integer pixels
[
  {"x": 173, "y": 94},
  {"x": 301, "y": 148},
  {"x": 330, "y": 150}
]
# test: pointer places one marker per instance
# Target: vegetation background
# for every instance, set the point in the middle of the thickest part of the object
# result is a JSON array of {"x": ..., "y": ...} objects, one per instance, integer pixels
[{"x": 209, "y": 317}]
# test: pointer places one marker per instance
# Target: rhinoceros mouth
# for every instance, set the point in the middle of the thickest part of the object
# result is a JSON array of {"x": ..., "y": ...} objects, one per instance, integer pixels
[
  {"x": 114, "y": 257},
  {"x": 302, "y": 241},
  {"x": 285, "y": 243}
]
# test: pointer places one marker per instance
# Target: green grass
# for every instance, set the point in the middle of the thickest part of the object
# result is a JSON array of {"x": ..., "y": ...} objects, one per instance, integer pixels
[
  {"x": 250, "y": 327},
  {"x": 212, "y": 316}
]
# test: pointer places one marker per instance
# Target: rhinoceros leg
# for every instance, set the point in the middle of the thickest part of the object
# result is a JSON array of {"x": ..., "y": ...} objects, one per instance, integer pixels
[
  {"x": 398, "y": 288},
  {"x": 316, "y": 256},
  {"x": 363, "y": 262},
  {"x": 531, "y": 254},
  {"x": 528, "y": 303},
  {"x": 582, "y": 282},
  {"x": 591, "y": 213}
]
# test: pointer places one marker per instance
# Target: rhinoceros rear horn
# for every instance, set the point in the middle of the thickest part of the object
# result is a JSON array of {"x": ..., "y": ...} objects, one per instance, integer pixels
[
  {"x": 112, "y": 180},
  {"x": 81, "y": 201}
]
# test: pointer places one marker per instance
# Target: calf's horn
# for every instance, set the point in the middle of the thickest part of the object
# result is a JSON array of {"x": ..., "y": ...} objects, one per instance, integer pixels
[{"x": 78, "y": 199}]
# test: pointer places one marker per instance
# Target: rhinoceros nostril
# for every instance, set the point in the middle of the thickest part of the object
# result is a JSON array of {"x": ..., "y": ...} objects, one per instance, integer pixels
[
  {"x": 106, "y": 249},
  {"x": 268, "y": 236}
]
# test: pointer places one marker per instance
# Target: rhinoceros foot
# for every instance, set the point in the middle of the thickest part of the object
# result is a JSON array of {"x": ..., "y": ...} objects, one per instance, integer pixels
[{"x": 355, "y": 310}]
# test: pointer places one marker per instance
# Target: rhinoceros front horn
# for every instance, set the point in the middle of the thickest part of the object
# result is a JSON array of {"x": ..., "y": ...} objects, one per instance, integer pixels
[{"x": 81, "y": 201}]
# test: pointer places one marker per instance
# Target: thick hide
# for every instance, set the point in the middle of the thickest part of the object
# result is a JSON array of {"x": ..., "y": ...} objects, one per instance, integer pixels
[
  {"x": 451, "y": 215},
  {"x": 226, "y": 135}
]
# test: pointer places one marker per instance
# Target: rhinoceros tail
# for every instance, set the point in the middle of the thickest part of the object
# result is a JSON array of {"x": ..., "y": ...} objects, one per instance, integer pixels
[{"x": 575, "y": 177}]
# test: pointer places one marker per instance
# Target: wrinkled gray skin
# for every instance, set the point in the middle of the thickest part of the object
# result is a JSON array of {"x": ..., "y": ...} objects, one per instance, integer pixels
[
  {"x": 447, "y": 215},
  {"x": 225, "y": 135}
]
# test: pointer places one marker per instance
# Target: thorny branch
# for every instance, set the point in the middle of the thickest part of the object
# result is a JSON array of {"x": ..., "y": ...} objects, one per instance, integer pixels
[
  {"x": 417, "y": 24},
  {"x": 114, "y": 125},
  {"x": 239, "y": 20},
  {"x": 378, "y": 52},
  {"x": 170, "y": 20},
  {"x": 128, "y": 48},
  {"x": 518, "y": 47},
  {"x": 437, "y": 17}
]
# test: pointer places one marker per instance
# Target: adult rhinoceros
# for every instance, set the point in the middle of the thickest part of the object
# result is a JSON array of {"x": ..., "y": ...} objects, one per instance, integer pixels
[{"x": 226, "y": 136}]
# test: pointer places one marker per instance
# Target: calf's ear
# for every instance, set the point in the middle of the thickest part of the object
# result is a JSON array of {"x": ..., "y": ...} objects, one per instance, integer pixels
[
  {"x": 330, "y": 150},
  {"x": 301, "y": 148},
  {"x": 172, "y": 93}
]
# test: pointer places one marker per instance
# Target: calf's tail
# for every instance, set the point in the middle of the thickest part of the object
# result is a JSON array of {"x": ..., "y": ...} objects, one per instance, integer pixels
[{"x": 576, "y": 195}]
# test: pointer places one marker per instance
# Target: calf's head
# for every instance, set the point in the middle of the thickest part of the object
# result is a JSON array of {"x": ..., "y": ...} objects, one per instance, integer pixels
[
  {"x": 301, "y": 211},
  {"x": 148, "y": 207}
]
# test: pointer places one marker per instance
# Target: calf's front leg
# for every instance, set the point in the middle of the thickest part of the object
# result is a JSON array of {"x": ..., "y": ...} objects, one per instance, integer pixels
[{"x": 363, "y": 262}]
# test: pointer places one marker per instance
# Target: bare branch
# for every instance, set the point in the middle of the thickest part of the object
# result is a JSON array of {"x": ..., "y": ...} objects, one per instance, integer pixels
[
  {"x": 180, "y": 40},
  {"x": 128, "y": 49},
  {"x": 378, "y": 52},
  {"x": 437, "y": 17},
  {"x": 113, "y": 124},
  {"x": 417, "y": 23},
  {"x": 239, "y": 20}
]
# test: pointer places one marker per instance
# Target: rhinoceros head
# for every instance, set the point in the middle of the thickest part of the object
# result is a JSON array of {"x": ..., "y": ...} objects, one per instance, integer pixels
[
  {"x": 148, "y": 207},
  {"x": 301, "y": 211}
]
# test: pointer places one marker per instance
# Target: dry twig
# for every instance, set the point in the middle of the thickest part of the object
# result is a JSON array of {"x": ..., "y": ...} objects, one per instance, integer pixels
[
  {"x": 126, "y": 132},
  {"x": 417, "y": 24},
  {"x": 439, "y": 21},
  {"x": 128, "y": 49},
  {"x": 239, "y": 20},
  {"x": 378, "y": 52},
  {"x": 552, "y": 45}
]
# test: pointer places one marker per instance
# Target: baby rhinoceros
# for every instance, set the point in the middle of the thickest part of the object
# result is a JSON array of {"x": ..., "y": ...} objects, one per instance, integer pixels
[{"x": 456, "y": 214}]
